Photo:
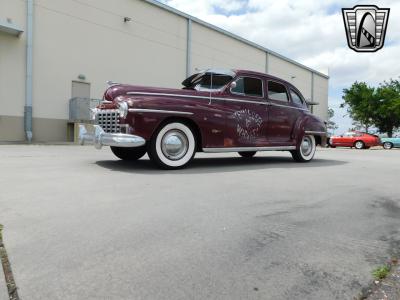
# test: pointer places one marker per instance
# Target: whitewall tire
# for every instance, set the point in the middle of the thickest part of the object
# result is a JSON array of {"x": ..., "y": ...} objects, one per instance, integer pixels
[
  {"x": 306, "y": 149},
  {"x": 173, "y": 146}
]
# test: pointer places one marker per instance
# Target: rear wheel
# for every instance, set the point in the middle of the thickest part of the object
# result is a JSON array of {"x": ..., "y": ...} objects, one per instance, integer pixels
[
  {"x": 130, "y": 153},
  {"x": 247, "y": 154},
  {"x": 387, "y": 145},
  {"x": 173, "y": 146},
  {"x": 359, "y": 145},
  {"x": 306, "y": 150}
]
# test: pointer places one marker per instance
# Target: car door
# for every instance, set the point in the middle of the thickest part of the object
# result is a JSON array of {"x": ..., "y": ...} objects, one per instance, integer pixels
[
  {"x": 396, "y": 141},
  {"x": 282, "y": 113},
  {"x": 348, "y": 139},
  {"x": 246, "y": 113}
]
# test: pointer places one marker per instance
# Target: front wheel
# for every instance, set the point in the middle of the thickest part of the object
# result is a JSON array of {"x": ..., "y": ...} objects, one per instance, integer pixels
[
  {"x": 247, "y": 154},
  {"x": 359, "y": 145},
  {"x": 306, "y": 151},
  {"x": 387, "y": 145},
  {"x": 172, "y": 146},
  {"x": 129, "y": 153}
]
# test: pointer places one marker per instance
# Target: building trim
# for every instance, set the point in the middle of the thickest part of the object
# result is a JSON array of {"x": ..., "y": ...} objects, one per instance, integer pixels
[
  {"x": 234, "y": 36},
  {"x": 28, "y": 110},
  {"x": 10, "y": 28},
  {"x": 189, "y": 48},
  {"x": 312, "y": 92}
]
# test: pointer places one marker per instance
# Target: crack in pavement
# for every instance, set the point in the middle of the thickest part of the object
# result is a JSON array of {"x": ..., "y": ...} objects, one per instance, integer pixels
[{"x": 10, "y": 282}]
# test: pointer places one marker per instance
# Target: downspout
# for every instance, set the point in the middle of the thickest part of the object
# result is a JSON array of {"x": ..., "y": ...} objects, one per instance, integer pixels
[
  {"x": 28, "y": 80},
  {"x": 189, "y": 48},
  {"x": 312, "y": 91}
]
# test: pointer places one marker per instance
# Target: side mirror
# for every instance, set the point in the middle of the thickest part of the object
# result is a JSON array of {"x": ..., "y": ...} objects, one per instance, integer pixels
[{"x": 233, "y": 85}]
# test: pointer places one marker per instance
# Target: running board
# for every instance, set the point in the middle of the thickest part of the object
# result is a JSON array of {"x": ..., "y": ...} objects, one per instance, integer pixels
[{"x": 248, "y": 149}]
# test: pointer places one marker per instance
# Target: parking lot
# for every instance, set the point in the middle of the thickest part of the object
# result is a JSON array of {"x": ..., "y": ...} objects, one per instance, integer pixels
[{"x": 80, "y": 224}]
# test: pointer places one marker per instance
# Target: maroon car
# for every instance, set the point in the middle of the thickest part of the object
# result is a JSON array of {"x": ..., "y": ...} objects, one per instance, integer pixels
[{"x": 215, "y": 111}]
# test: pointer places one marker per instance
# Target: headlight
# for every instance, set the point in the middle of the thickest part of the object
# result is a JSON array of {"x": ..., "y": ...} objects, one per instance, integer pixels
[{"x": 123, "y": 109}]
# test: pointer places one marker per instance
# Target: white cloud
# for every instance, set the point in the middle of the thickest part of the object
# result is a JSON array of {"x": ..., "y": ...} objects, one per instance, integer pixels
[{"x": 308, "y": 31}]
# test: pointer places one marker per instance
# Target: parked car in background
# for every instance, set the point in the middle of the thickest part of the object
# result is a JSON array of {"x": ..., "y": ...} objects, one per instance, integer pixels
[
  {"x": 356, "y": 139},
  {"x": 389, "y": 143},
  {"x": 215, "y": 111}
]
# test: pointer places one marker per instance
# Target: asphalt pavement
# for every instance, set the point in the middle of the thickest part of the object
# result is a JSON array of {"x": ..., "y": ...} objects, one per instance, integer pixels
[{"x": 81, "y": 224}]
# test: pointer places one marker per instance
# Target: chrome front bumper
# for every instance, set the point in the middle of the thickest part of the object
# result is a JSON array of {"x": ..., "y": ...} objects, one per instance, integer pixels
[{"x": 101, "y": 138}]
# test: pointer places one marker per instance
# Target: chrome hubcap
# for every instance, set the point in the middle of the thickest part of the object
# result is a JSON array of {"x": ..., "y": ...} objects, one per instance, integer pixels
[
  {"x": 359, "y": 145},
  {"x": 386, "y": 145},
  {"x": 306, "y": 146},
  {"x": 174, "y": 144}
]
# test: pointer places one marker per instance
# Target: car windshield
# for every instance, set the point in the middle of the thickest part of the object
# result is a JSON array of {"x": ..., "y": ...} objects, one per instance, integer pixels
[{"x": 208, "y": 81}]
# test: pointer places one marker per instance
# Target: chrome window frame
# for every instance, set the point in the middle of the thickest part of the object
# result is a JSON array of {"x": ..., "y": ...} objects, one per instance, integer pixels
[
  {"x": 288, "y": 101},
  {"x": 245, "y": 95}
]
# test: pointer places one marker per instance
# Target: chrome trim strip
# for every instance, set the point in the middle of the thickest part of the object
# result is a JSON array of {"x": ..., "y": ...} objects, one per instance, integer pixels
[
  {"x": 315, "y": 132},
  {"x": 159, "y": 111},
  {"x": 243, "y": 149},
  {"x": 215, "y": 98},
  {"x": 285, "y": 106}
]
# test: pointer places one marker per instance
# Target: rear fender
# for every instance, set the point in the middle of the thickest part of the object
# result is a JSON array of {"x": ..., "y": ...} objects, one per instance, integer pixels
[{"x": 310, "y": 124}]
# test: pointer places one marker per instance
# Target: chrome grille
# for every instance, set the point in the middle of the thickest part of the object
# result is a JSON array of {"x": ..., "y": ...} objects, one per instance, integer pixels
[{"x": 108, "y": 119}]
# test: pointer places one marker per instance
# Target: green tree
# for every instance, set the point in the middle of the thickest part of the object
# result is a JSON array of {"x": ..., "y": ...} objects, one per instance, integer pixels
[
  {"x": 331, "y": 125},
  {"x": 387, "y": 114},
  {"x": 361, "y": 103},
  {"x": 379, "y": 107}
]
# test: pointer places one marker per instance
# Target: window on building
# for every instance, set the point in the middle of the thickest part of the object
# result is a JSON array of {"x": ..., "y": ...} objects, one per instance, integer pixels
[
  {"x": 248, "y": 86},
  {"x": 296, "y": 98},
  {"x": 277, "y": 91}
]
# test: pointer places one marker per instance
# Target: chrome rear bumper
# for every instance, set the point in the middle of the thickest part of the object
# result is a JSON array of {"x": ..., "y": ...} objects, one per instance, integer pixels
[{"x": 101, "y": 138}]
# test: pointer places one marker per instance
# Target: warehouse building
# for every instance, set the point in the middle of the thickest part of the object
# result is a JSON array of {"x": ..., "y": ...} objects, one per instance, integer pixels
[{"x": 55, "y": 51}]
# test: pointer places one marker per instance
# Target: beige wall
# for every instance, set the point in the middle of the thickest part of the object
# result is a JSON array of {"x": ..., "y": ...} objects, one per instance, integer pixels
[
  {"x": 12, "y": 61},
  {"x": 89, "y": 37},
  {"x": 321, "y": 96},
  {"x": 99, "y": 45},
  {"x": 212, "y": 49},
  {"x": 299, "y": 77}
]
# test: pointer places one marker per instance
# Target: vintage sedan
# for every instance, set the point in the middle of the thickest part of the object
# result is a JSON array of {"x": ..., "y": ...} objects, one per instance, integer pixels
[
  {"x": 389, "y": 143},
  {"x": 215, "y": 111},
  {"x": 356, "y": 139}
]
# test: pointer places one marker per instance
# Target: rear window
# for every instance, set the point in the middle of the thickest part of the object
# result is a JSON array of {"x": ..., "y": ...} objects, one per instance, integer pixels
[
  {"x": 277, "y": 91},
  {"x": 296, "y": 98}
]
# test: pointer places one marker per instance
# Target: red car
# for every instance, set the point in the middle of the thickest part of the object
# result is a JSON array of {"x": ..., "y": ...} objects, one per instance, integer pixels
[
  {"x": 215, "y": 111},
  {"x": 356, "y": 139}
]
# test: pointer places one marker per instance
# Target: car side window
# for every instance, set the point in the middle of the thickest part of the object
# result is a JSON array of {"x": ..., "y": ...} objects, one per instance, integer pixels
[
  {"x": 277, "y": 91},
  {"x": 248, "y": 86},
  {"x": 296, "y": 98}
]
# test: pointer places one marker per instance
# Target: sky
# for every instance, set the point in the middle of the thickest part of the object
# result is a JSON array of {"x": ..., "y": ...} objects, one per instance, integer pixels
[{"x": 310, "y": 32}]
